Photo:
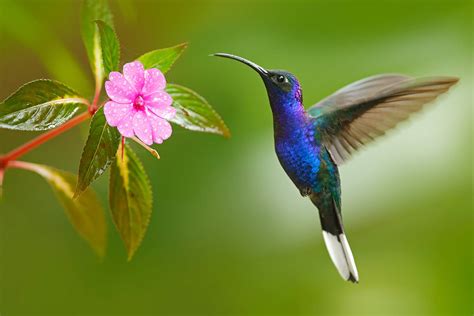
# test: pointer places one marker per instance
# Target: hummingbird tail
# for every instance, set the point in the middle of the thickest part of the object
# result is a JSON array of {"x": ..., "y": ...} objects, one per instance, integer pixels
[
  {"x": 336, "y": 241},
  {"x": 341, "y": 256}
]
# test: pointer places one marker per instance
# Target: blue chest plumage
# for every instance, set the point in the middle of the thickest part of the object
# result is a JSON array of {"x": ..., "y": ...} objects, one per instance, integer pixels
[{"x": 298, "y": 152}]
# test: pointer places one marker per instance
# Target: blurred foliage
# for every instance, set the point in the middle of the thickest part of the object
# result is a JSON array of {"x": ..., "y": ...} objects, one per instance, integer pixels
[{"x": 230, "y": 234}]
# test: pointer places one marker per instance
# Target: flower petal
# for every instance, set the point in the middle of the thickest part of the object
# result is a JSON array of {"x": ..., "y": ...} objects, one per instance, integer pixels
[
  {"x": 154, "y": 81},
  {"x": 125, "y": 126},
  {"x": 135, "y": 75},
  {"x": 142, "y": 128},
  {"x": 160, "y": 104},
  {"x": 165, "y": 112},
  {"x": 118, "y": 88},
  {"x": 158, "y": 99},
  {"x": 115, "y": 112},
  {"x": 161, "y": 128}
]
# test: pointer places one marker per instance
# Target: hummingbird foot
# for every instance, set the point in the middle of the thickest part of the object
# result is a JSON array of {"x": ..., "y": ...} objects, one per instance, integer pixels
[{"x": 305, "y": 191}]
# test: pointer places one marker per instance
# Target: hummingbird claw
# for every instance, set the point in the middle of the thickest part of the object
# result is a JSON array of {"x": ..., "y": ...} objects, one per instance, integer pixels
[{"x": 305, "y": 191}]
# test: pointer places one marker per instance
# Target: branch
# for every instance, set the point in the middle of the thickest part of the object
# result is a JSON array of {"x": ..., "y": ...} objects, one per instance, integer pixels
[{"x": 32, "y": 144}]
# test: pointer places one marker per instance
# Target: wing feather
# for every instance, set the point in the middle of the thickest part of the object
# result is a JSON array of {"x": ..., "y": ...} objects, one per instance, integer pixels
[{"x": 364, "y": 110}]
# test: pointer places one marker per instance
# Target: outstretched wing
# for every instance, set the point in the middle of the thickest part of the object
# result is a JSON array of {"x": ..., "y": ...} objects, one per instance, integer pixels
[{"x": 360, "y": 112}]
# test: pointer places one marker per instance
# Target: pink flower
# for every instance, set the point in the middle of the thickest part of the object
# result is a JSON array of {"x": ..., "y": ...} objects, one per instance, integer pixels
[{"x": 139, "y": 105}]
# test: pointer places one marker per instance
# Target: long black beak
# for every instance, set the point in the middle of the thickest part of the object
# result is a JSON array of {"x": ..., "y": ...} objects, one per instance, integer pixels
[{"x": 262, "y": 71}]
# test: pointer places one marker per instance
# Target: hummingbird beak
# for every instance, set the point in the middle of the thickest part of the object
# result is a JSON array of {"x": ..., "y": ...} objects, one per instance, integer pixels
[{"x": 262, "y": 71}]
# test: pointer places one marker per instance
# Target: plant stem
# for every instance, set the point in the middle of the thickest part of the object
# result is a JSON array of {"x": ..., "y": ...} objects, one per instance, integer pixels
[
  {"x": 2, "y": 173},
  {"x": 32, "y": 144},
  {"x": 9, "y": 159},
  {"x": 93, "y": 106}
]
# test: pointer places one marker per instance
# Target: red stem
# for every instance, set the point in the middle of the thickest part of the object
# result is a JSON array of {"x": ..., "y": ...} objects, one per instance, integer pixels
[
  {"x": 9, "y": 159},
  {"x": 94, "y": 105},
  {"x": 2, "y": 173},
  {"x": 32, "y": 144}
]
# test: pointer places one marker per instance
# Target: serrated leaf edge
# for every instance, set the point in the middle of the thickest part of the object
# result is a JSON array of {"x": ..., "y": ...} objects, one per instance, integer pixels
[
  {"x": 223, "y": 130},
  {"x": 76, "y": 98},
  {"x": 78, "y": 191},
  {"x": 182, "y": 45},
  {"x": 98, "y": 24},
  {"x": 125, "y": 175},
  {"x": 76, "y": 94}
]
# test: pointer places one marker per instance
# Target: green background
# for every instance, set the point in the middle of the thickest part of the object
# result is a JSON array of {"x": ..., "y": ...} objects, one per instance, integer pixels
[{"x": 229, "y": 232}]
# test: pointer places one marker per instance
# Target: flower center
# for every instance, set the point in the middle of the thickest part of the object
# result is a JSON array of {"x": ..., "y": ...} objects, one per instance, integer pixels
[{"x": 139, "y": 103}]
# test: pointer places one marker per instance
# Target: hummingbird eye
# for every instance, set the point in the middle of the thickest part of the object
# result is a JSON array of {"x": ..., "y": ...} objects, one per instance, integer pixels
[{"x": 279, "y": 79}]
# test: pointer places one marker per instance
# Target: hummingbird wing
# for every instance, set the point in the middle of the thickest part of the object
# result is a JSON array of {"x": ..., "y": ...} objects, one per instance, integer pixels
[{"x": 360, "y": 112}]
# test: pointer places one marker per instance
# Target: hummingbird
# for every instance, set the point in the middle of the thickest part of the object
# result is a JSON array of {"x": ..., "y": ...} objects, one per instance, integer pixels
[{"x": 312, "y": 143}]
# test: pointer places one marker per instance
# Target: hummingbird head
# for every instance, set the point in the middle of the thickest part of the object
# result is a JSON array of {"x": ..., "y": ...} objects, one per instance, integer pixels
[{"x": 283, "y": 88}]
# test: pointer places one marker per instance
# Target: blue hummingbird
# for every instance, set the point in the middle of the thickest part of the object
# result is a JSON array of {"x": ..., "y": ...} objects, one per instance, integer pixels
[{"x": 311, "y": 144}]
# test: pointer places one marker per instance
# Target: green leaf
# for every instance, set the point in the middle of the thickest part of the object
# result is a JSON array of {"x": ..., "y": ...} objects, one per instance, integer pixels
[
  {"x": 85, "y": 213},
  {"x": 39, "y": 105},
  {"x": 93, "y": 10},
  {"x": 99, "y": 151},
  {"x": 130, "y": 199},
  {"x": 194, "y": 113},
  {"x": 163, "y": 58},
  {"x": 110, "y": 48}
]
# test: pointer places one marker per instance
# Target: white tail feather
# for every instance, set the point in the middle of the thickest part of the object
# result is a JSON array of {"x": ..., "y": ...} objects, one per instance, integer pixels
[{"x": 341, "y": 256}]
